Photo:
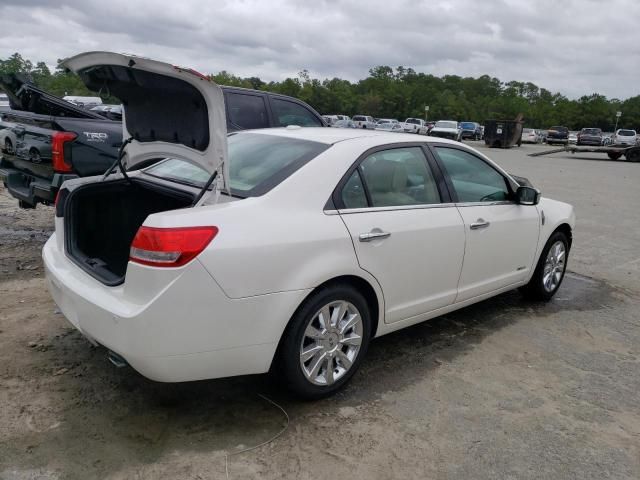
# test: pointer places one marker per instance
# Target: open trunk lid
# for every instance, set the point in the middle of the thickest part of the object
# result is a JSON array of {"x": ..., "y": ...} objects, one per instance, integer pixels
[{"x": 168, "y": 111}]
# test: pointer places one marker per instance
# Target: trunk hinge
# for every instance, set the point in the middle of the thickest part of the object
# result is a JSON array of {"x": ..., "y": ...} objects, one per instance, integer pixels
[{"x": 118, "y": 161}]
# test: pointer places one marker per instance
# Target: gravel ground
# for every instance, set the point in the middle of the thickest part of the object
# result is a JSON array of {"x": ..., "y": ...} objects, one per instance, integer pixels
[{"x": 502, "y": 389}]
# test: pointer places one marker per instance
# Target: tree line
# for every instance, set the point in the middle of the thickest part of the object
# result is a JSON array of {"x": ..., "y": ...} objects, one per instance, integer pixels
[{"x": 401, "y": 93}]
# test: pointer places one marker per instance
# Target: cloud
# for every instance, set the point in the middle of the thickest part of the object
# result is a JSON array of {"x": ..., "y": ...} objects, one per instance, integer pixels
[{"x": 576, "y": 47}]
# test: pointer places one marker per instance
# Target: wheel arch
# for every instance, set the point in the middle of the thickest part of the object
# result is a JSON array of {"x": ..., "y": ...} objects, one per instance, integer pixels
[
  {"x": 566, "y": 229},
  {"x": 374, "y": 299}
]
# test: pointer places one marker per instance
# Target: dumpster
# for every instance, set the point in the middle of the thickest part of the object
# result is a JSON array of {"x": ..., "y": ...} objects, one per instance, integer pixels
[{"x": 503, "y": 133}]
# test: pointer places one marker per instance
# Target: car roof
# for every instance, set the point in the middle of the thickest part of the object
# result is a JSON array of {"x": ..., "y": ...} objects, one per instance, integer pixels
[{"x": 331, "y": 136}]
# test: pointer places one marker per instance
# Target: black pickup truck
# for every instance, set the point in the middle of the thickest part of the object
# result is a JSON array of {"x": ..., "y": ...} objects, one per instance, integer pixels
[{"x": 45, "y": 140}]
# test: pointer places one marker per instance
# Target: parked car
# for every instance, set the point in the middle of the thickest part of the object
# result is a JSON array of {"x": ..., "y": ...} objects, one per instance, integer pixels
[
  {"x": 185, "y": 287},
  {"x": 88, "y": 141},
  {"x": 390, "y": 127},
  {"x": 50, "y": 141},
  {"x": 470, "y": 130},
  {"x": 529, "y": 135},
  {"x": 331, "y": 119},
  {"x": 446, "y": 129},
  {"x": 83, "y": 101},
  {"x": 558, "y": 135},
  {"x": 4, "y": 102},
  {"x": 386, "y": 120},
  {"x": 590, "y": 136},
  {"x": 344, "y": 124},
  {"x": 606, "y": 139},
  {"x": 572, "y": 138},
  {"x": 364, "y": 121},
  {"x": 415, "y": 125},
  {"x": 624, "y": 137}
]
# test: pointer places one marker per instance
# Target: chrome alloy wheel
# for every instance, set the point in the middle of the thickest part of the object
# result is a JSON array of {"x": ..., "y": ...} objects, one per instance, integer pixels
[
  {"x": 331, "y": 342},
  {"x": 554, "y": 266}
]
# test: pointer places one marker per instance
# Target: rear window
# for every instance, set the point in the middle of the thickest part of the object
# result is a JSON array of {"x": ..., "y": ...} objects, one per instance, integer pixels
[
  {"x": 358, "y": 118},
  {"x": 257, "y": 163},
  {"x": 468, "y": 126},
  {"x": 627, "y": 133},
  {"x": 560, "y": 129},
  {"x": 415, "y": 121},
  {"x": 289, "y": 113},
  {"x": 592, "y": 131}
]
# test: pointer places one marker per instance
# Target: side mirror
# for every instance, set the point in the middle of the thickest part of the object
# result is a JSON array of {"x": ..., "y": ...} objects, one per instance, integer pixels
[{"x": 527, "y": 195}]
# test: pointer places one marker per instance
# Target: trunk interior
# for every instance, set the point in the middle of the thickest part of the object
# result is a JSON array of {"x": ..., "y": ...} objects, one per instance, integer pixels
[{"x": 101, "y": 220}]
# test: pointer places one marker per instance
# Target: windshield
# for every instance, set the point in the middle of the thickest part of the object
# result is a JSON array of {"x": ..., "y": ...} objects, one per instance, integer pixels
[
  {"x": 413, "y": 120},
  {"x": 627, "y": 133},
  {"x": 468, "y": 126},
  {"x": 257, "y": 163},
  {"x": 444, "y": 124}
]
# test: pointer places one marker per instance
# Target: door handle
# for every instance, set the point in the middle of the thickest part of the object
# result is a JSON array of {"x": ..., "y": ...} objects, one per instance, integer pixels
[
  {"x": 479, "y": 224},
  {"x": 374, "y": 234}
]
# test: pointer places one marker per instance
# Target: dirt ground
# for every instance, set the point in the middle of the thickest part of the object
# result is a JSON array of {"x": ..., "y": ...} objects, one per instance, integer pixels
[{"x": 503, "y": 389}]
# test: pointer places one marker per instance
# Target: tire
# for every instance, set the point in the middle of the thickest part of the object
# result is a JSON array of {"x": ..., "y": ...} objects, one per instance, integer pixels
[
  {"x": 332, "y": 347},
  {"x": 34, "y": 156},
  {"x": 614, "y": 155},
  {"x": 541, "y": 287},
  {"x": 633, "y": 155}
]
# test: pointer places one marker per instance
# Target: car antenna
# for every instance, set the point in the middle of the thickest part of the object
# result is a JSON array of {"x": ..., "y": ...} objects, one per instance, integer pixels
[{"x": 118, "y": 161}]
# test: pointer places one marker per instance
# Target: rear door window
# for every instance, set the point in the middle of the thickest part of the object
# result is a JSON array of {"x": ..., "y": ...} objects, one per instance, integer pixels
[
  {"x": 247, "y": 111},
  {"x": 290, "y": 113}
]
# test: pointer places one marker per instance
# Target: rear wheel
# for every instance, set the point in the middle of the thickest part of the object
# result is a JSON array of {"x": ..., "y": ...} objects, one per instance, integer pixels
[
  {"x": 550, "y": 270},
  {"x": 614, "y": 155},
  {"x": 34, "y": 155},
  {"x": 633, "y": 155},
  {"x": 325, "y": 342}
]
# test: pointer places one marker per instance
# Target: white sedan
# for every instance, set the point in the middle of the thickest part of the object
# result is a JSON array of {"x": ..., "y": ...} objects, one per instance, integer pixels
[{"x": 308, "y": 243}]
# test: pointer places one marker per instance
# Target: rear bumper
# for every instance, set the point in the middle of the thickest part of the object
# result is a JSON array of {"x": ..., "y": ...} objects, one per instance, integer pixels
[
  {"x": 173, "y": 325},
  {"x": 31, "y": 189},
  {"x": 590, "y": 141}
]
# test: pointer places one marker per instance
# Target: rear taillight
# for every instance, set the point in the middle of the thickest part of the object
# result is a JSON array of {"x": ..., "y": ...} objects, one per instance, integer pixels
[
  {"x": 61, "y": 159},
  {"x": 169, "y": 247}
]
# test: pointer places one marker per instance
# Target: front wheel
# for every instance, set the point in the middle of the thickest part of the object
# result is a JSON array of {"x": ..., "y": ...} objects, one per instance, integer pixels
[
  {"x": 325, "y": 342},
  {"x": 550, "y": 270}
]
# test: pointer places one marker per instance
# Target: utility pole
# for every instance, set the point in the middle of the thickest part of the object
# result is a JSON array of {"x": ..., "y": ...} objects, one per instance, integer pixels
[
  {"x": 426, "y": 113},
  {"x": 618, "y": 115}
]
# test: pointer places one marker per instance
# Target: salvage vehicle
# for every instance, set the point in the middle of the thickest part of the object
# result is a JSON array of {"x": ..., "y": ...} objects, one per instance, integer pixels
[
  {"x": 46, "y": 140},
  {"x": 390, "y": 127},
  {"x": 415, "y": 125},
  {"x": 364, "y": 121},
  {"x": 590, "y": 136},
  {"x": 280, "y": 249},
  {"x": 624, "y": 137},
  {"x": 557, "y": 134},
  {"x": 472, "y": 130},
  {"x": 446, "y": 129},
  {"x": 529, "y": 135},
  {"x": 86, "y": 141}
]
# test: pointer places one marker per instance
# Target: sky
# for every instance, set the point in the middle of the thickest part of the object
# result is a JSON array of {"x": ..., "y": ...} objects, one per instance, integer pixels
[{"x": 572, "y": 47}]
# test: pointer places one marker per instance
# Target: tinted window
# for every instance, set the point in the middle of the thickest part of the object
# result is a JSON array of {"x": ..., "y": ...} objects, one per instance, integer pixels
[
  {"x": 592, "y": 131},
  {"x": 290, "y": 113},
  {"x": 353, "y": 195},
  {"x": 399, "y": 177},
  {"x": 358, "y": 118},
  {"x": 627, "y": 133},
  {"x": 473, "y": 179},
  {"x": 257, "y": 163},
  {"x": 247, "y": 111}
]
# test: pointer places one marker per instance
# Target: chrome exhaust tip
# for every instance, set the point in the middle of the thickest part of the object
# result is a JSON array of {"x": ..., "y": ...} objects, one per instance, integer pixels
[{"x": 116, "y": 359}]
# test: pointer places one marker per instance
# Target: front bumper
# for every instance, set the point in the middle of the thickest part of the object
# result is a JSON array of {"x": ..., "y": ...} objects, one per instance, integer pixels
[{"x": 171, "y": 325}]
